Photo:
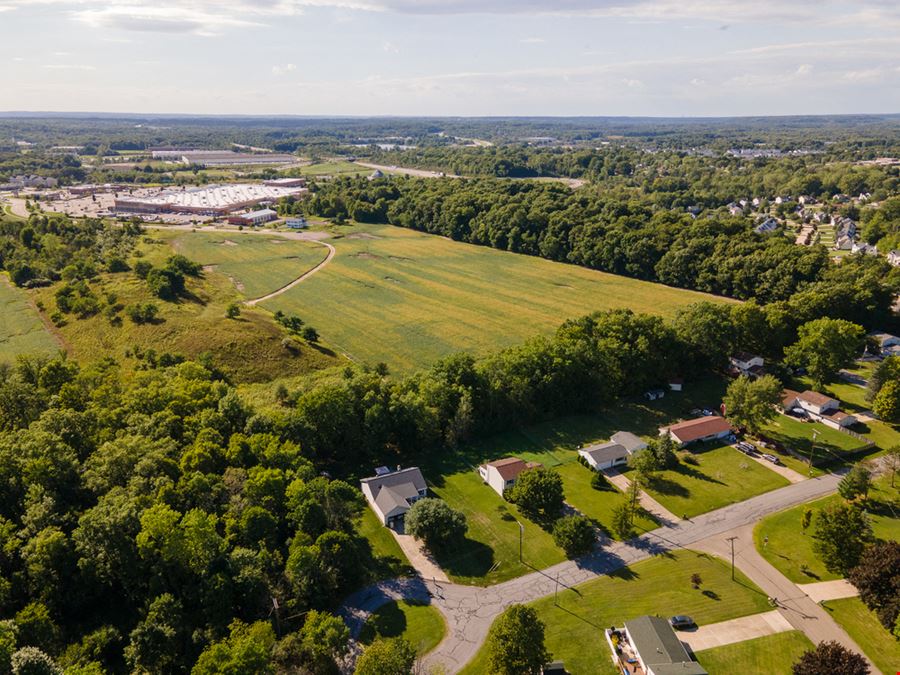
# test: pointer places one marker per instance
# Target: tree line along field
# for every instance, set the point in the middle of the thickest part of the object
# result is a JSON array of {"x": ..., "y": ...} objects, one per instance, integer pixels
[
  {"x": 21, "y": 329},
  {"x": 408, "y": 298}
]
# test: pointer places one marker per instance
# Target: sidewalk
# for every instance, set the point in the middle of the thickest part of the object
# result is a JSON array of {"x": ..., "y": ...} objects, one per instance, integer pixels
[
  {"x": 736, "y": 630},
  {"x": 657, "y": 510},
  {"x": 795, "y": 605}
]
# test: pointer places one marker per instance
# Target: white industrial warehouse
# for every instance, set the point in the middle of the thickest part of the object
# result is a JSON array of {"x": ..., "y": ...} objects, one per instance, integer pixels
[{"x": 211, "y": 200}]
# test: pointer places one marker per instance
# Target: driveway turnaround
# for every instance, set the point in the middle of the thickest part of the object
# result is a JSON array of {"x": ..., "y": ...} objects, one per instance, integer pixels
[
  {"x": 470, "y": 610},
  {"x": 735, "y": 630}
]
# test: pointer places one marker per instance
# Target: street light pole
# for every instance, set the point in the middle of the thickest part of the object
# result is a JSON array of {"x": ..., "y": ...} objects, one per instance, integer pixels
[
  {"x": 731, "y": 539},
  {"x": 812, "y": 447}
]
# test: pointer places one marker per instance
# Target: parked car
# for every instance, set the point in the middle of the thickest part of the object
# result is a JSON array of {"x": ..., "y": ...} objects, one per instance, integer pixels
[
  {"x": 681, "y": 622},
  {"x": 771, "y": 458}
]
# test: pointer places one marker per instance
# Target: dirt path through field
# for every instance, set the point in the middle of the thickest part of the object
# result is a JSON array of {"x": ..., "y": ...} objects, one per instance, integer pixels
[{"x": 303, "y": 277}]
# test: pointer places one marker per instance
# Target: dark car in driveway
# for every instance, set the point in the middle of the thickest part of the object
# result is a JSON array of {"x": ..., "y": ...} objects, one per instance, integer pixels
[{"x": 681, "y": 622}]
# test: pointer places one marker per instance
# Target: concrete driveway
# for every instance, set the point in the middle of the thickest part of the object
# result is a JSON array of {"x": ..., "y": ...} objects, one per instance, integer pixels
[{"x": 735, "y": 630}]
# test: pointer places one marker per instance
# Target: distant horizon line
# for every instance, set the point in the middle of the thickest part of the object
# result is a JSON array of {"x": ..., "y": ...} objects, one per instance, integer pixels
[{"x": 13, "y": 114}]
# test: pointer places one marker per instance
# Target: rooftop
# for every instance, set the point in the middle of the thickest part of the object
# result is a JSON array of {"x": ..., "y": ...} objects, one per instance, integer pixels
[
  {"x": 659, "y": 648},
  {"x": 691, "y": 430},
  {"x": 510, "y": 467},
  {"x": 218, "y": 196}
]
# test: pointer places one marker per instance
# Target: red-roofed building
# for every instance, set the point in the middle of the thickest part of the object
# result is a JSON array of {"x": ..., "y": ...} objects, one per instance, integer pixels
[
  {"x": 503, "y": 473},
  {"x": 701, "y": 429}
]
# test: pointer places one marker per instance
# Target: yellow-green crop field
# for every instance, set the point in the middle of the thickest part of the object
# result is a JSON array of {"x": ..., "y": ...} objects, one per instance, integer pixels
[
  {"x": 256, "y": 264},
  {"x": 21, "y": 329},
  {"x": 408, "y": 298}
]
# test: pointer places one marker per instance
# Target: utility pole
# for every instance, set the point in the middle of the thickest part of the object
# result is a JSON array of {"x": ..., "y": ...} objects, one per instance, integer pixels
[
  {"x": 521, "y": 534},
  {"x": 812, "y": 447},
  {"x": 731, "y": 539}
]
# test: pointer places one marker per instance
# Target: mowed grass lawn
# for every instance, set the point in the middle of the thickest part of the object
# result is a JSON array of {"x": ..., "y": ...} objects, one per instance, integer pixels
[
  {"x": 830, "y": 444},
  {"x": 789, "y": 548},
  {"x": 408, "y": 298},
  {"x": 390, "y": 561},
  {"x": 21, "y": 329},
  {"x": 721, "y": 476},
  {"x": 256, "y": 264},
  {"x": 574, "y": 629},
  {"x": 491, "y": 551},
  {"x": 422, "y": 625},
  {"x": 332, "y": 169},
  {"x": 769, "y": 654},
  {"x": 863, "y": 626}
]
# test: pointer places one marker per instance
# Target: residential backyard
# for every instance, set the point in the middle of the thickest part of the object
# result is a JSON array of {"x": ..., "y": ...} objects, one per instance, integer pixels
[
  {"x": 769, "y": 654},
  {"x": 490, "y": 553},
  {"x": 721, "y": 476},
  {"x": 789, "y": 549},
  {"x": 421, "y": 625},
  {"x": 574, "y": 627},
  {"x": 863, "y": 626}
]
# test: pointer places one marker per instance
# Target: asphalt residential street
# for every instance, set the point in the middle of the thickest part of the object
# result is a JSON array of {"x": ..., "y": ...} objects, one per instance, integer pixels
[{"x": 470, "y": 610}]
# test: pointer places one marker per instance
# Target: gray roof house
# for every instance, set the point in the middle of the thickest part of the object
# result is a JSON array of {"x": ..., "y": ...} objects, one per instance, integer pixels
[
  {"x": 391, "y": 493},
  {"x": 658, "y": 649},
  {"x": 614, "y": 453}
]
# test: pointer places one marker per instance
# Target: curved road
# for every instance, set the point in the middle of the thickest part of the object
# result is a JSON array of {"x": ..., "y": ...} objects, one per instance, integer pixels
[
  {"x": 303, "y": 277},
  {"x": 470, "y": 610}
]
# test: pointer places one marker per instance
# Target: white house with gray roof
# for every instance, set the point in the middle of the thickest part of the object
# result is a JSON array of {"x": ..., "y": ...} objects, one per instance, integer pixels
[
  {"x": 391, "y": 493},
  {"x": 614, "y": 453}
]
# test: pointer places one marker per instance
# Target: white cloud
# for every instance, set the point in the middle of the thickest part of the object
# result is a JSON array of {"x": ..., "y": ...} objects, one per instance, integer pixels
[
  {"x": 68, "y": 66},
  {"x": 283, "y": 70},
  {"x": 532, "y": 41},
  {"x": 389, "y": 47},
  {"x": 804, "y": 69}
]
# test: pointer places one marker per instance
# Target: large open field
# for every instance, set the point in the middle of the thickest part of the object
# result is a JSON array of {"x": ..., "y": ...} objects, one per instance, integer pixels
[
  {"x": 408, "y": 298},
  {"x": 21, "y": 329},
  {"x": 256, "y": 264}
]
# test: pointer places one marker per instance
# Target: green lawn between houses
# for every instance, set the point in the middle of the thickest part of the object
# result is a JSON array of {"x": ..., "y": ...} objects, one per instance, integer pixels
[
  {"x": 422, "y": 625},
  {"x": 574, "y": 628},
  {"x": 490, "y": 553},
  {"x": 721, "y": 476},
  {"x": 390, "y": 561},
  {"x": 863, "y": 626},
  {"x": 788, "y": 548},
  {"x": 769, "y": 654}
]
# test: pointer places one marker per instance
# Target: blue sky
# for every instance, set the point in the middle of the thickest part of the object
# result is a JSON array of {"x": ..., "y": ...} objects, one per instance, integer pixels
[{"x": 452, "y": 57}]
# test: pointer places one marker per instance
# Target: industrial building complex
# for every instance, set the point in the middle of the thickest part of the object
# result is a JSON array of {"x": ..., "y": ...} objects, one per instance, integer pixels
[{"x": 212, "y": 200}]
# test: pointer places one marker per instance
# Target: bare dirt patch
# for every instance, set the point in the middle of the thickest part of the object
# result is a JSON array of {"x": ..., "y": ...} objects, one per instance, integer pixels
[
  {"x": 363, "y": 235},
  {"x": 365, "y": 255},
  {"x": 210, "y": 268},
  {"x": 401, "y": 258},
  {"x": 228, "y": 242},
  {"x": 393, "y": 280}
]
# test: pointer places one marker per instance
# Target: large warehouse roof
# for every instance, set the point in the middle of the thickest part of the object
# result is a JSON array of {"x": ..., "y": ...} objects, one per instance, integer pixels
[{"x": 217, "y": 197}]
